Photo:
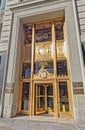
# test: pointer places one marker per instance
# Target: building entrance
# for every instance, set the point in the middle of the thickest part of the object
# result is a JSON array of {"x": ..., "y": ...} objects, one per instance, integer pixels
[
  {"x": 45, "y": 76},
  {"x": 44, "y": 99}
]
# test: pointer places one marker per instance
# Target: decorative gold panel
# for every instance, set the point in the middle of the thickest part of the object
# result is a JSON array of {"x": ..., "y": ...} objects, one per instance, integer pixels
[
  {"x": 43, "y": 74},
  {"x": 61, "y": 49},
  {"x": 43, "y": 51}
]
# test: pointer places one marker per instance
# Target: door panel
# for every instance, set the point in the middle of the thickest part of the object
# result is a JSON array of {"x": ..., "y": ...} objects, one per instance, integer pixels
[
  {"x": 63, "y": 99},
  {"x": 44, "y": 98},
  {"x": 24, "y": 98}
]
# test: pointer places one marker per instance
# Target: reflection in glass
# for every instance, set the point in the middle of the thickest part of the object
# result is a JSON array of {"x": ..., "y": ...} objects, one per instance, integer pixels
[
  {"x": 50, "y": 102},
  {"x": 59, "y": 30},
  {"x": 61, "y": 68},
  {"x": 63, "y": 89},
  {"x": 50, "y": 90},
  {"x": 36, "y": 67},
  {"x": 28, "y": 34},
  {"x": 25, "y": 96},
  {"x": 40, "y": 103},
  {"x": 64, "y": 106},
  {"x": 47, "y": 65},
  {"x": 42, "y": 90},
  {"x": 26, "y": 73},
  {"x": 43, "y": 32},
  {"x": 63, "y": 94}
]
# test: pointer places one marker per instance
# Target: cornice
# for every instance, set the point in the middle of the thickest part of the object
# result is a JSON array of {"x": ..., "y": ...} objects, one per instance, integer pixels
[{"x": 33, "y": 2}]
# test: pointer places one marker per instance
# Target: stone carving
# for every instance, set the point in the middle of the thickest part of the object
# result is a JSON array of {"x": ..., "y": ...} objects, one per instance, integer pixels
[
  {"x": 78, "y": 91},
  {"x": 77, "y": 84},
  {"x": 9, "y": 88},
  {"x": 78, "y": 88}
]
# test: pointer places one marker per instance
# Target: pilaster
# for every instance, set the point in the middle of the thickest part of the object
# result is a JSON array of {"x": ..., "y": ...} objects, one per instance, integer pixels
[{"x": 8, "y": 100}]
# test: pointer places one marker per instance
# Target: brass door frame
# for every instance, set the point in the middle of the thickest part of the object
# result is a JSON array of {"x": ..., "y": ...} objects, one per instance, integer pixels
[
  {"x": 53, "y": 81},
  {"x": 20, "y": 99},
  {"x": 45, "y": 85},
  {"x": 68, "y": 114}
]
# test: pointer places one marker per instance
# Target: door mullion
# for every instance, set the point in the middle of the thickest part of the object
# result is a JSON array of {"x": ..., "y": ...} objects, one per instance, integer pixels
[{"x": 45, "y": 97}]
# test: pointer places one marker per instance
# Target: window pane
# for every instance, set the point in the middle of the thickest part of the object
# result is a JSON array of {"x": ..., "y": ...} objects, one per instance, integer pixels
[
  {"x": 26, "y": 73},
  {"x": 40, "y": 103},
  {"x": 63, "y": 95},
  {"x": 63, "y": 89},
  {"x": 50, "y": 90},
  {"x": 47, "y": 65},
  {"x": 62, "y": 68},
  {"x": 50, "y": 102},
  {"x": 25, "y": 96},
  {"x": 28, "y": 34},
  {"x": 42, "y": 90},
  {"x": 43, "y": 32},
  {"x": 59, "y": 31},
  {"x": 50, "y": 67},
  {"x": 36, "y": 67}
]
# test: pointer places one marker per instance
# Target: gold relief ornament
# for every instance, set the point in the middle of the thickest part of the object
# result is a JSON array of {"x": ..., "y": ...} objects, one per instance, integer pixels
[
  {"x": 43, "y": 51},
  {"x": 60, "y": 50},
  {"x": 43, "y": 74}
]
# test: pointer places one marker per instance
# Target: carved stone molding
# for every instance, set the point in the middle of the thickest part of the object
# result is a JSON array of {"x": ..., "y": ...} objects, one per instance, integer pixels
[
  {"x": 9, "y": 85},
  {"x": 78, "y": 91},
  {"x": 78, "y": 88},
  {"x": 77, "y": 84},
  {"x": 9, "y": 88}
]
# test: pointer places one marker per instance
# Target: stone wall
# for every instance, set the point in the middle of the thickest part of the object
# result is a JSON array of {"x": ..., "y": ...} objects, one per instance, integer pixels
[{"x": 81, "y": 16}]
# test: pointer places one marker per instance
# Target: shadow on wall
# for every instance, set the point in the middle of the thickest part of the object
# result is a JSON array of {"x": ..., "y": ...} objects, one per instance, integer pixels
[{"x": 2, "y": 69}]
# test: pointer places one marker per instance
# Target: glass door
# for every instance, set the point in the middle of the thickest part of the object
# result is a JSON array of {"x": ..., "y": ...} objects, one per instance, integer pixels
[
  {"x": 44, "y": 99},
  {"x": 50, "y": 103},
  {"x": 40, "y": 99},
  {"x": 24, "y": 98},
  {"x": 63, "y": 99}
]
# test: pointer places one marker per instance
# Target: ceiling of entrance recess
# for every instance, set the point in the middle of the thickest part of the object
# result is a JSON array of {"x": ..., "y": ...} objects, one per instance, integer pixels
[{"x": 44, "y": 16}]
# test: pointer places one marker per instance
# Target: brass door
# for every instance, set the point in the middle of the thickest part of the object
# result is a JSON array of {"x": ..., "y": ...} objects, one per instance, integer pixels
[
  {"x": 64, "y": 99},
  {"x": 44, "y": 99}
]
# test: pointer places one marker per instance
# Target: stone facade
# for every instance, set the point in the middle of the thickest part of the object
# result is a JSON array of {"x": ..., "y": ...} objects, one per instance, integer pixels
[
  {"x": 18, "y": 13},
  {"x": 81, "y": 16}
]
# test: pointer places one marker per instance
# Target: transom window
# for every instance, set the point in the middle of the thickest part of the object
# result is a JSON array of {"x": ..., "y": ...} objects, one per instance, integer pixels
[{"x": 43, "y": 32}]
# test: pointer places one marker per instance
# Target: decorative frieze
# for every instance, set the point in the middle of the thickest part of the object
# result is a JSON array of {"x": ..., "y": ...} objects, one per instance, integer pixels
[
  {"x": 78, "y": 91},
  {"x": 77, "y": 84},
  {"x": 9, "y": 88},
  {"x": 78, "y": 88},
  {"x": 43, "y": 74}
]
